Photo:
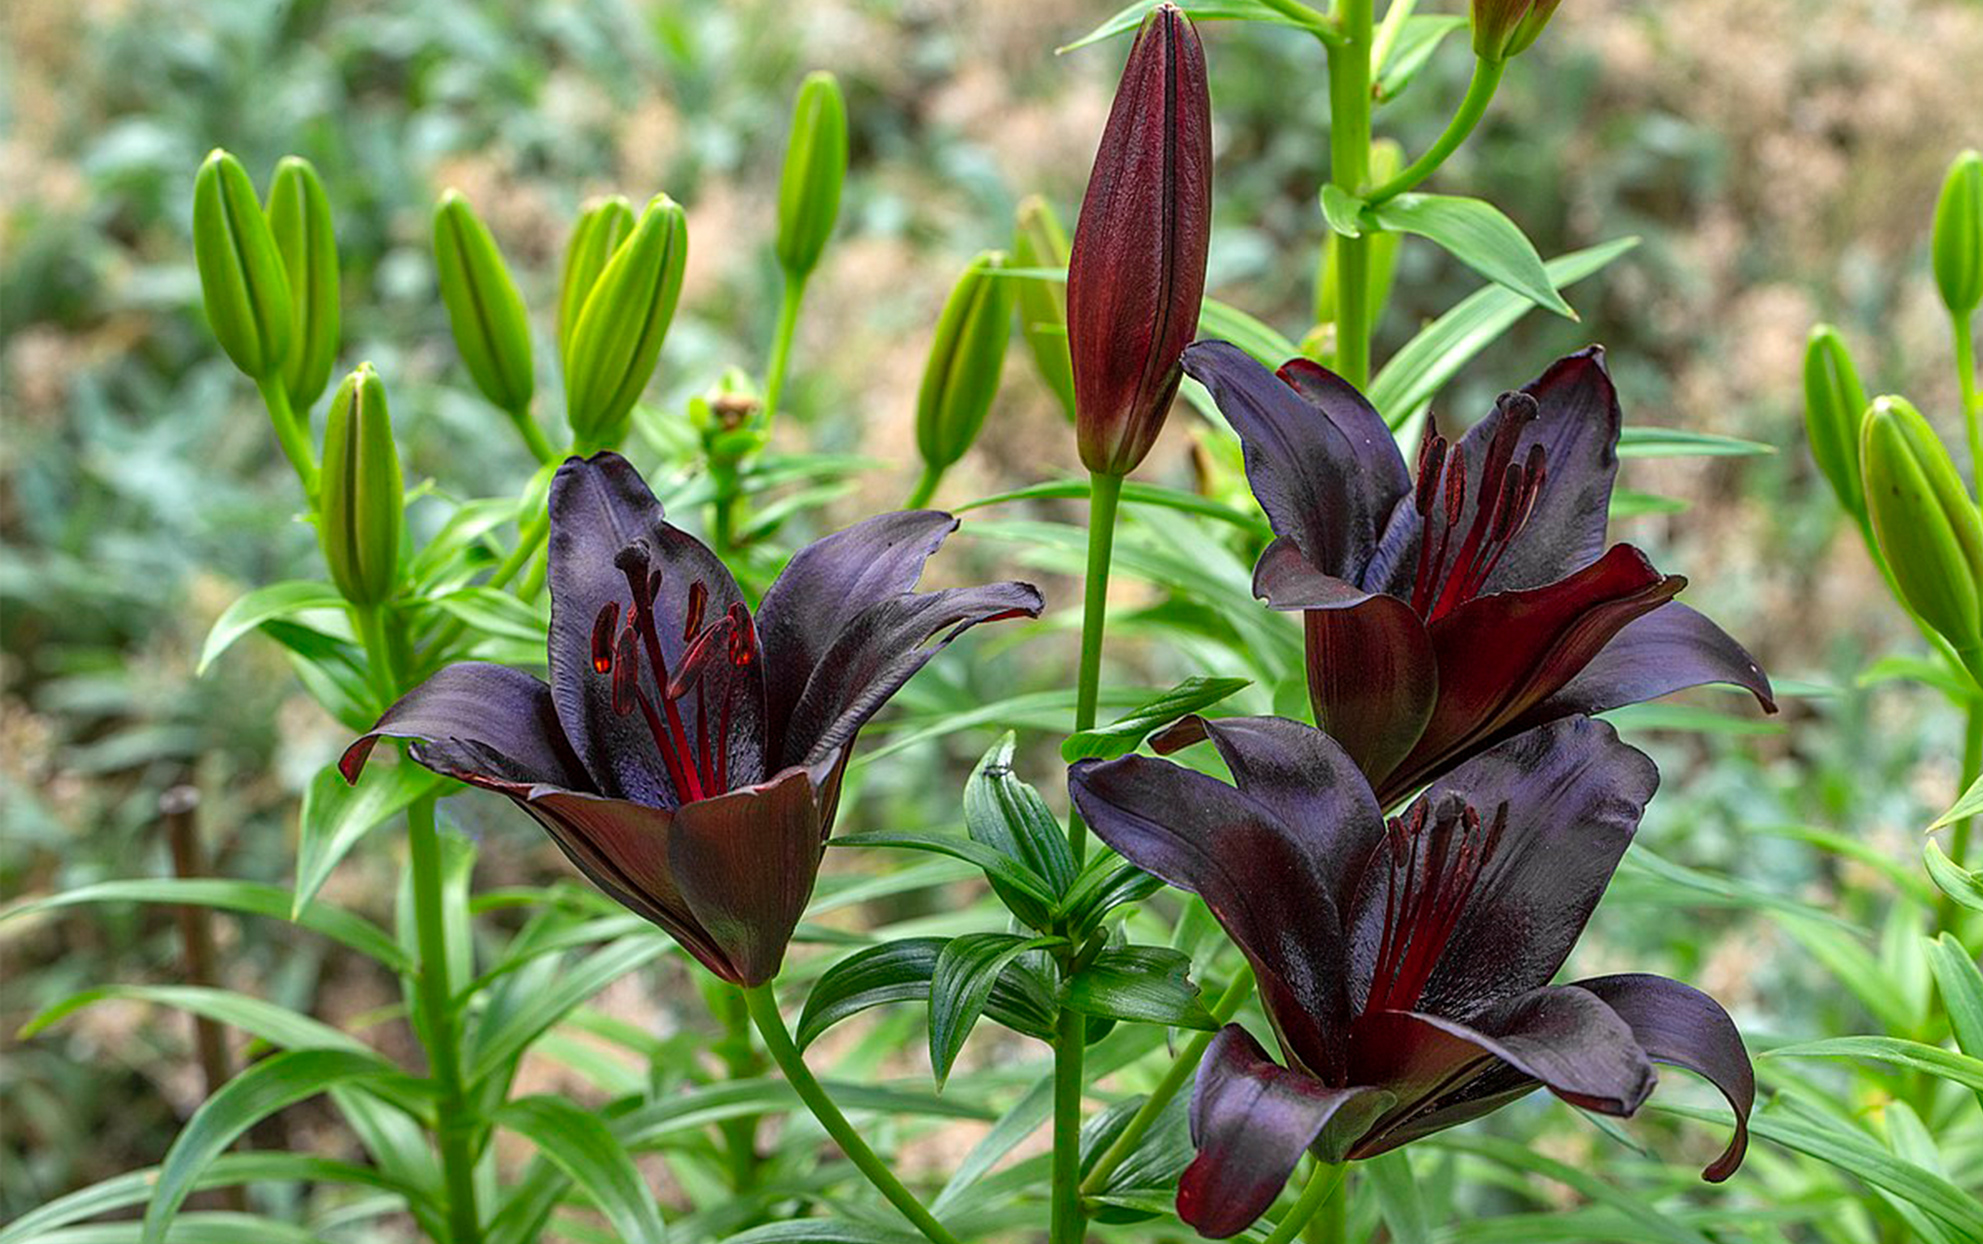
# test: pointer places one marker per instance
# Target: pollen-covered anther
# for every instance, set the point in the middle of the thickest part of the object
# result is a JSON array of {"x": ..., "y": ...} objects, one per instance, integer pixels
[{"x": 603, "y": 629}]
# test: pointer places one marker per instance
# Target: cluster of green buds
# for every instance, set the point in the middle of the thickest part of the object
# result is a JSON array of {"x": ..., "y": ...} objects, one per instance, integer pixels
[
  {"x": 1926, "y": 524},
  {"x": 961, "y": 375},
  {"x": 1503, "y": 29},
  {"x": 616, "y": 339}
]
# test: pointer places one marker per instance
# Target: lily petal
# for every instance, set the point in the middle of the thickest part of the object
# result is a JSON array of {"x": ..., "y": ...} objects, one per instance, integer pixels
[
  {"x": 745, "y": 863},
  {"x": 1679, "y": 1025},
  {"x": 1262, "y": 877},
  {"x": 484, "y": 724},
  {"x": 1670, "y": 649},
  {"x": 1251, "y": 1120},
  {"x": 1286, "y": 580},
  {"x": 1373, "y": 679}
]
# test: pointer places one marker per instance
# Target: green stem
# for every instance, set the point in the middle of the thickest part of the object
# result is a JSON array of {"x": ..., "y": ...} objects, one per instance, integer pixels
[
  {"x": 925, "y": 487},
  {"x": 740, "y": 1061},
  {"x": 763, "y": 1008},
  {"x": 292, "y": 433},
  {"x": 1070, "y": 1043},
  {"x": 1349, "y": 169},
  {"x": 1321, "y": 1188},
  {"x": 1317, "y": 24},
  {"x": 1175, "y": 1079},
  {"x": 789, "y": 298},
  {"x": 1104, "y": 495},
  {"x": 369, "y": 622},
  {"x": 1972, "y": 765},
  {"x": 456, "y": 1130},
  {"x": 1480, "y": 92},
  {"x": 533, "y": 436},
  {"x": 1972, "y": 409}
]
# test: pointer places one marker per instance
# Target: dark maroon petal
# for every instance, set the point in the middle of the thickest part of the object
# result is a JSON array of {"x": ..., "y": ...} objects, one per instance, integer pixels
[
  {"x": 485, "y": 724},
  {"x": 1683, "y": 1027},
  {"x": 1670, "y": 649},
  {"x": 1286, "y": 580},
  {"x": 745, "y": 863},
  {"x": 878, "y": 651},
  {"x": 1577, "y": 424},
  {"x": 1136, "y": 272},
  {"x": 1251, "y": 1120},
  {"x": 1321, "y": 461},
  {"x": 1574, "y": 794},
  {"x": 1263, "y": 879},
  {"x": 824, "y": 587},
  {"x": 1499, "y": 656},
  {"x": 1373, "y": 679},
  {"x": 1302, "y": 776}
]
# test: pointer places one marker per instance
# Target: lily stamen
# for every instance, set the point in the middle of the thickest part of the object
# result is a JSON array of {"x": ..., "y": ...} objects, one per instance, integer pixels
[{"x": 1423, "y": 906}]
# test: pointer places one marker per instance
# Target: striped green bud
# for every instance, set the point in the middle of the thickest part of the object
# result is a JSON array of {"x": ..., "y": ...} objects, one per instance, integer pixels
[
  {"x": 602, "y": 225},
  {"x": 241, "y": 271},
  {"x": 1925, "y": 522},
  {"x": 815, "y": 166},
  {"x": 491, "y": 328},
  {"x": 364, "y": 499},
  {"x": 962, "y": 374},
  {"x": 617, "y": 340},
  {"x": 1958, "y": 238},
  {"x": 1834, "y": 407},
  {"x": 300, "y": 219},
  {"x": 1039, "y": 241}
]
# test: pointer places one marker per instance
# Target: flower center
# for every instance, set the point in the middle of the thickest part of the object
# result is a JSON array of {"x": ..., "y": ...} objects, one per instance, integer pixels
[
  {"x": 1435, "y": 860},
  {"x": 1449, "y": 576},
  {"x": 698, "y": 765}
]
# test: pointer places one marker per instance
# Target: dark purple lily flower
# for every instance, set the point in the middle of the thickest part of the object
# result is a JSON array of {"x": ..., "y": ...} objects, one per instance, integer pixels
[
  {"x": 687, "y": 753},
  {"x": 1449, "y": 612},
  {"x": 1405, "y": 964}
]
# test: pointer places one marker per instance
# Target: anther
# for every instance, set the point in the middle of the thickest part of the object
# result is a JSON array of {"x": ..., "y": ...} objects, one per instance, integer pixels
[
  {"x": 626, "y": 674},
  {"x": 603, "y": 628},
  {"x": 698, "y": 600}
]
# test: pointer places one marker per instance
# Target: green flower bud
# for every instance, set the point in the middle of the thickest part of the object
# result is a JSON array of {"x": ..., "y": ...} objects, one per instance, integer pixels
[
  {"x": 363, "y": 497},
  {"x": 602, "y": 225},
  {"x": 1505, "y": 28},
  {"x": 815, "y": 165},
  {"x": 1834, "y": 407},
  {"x": 491, "y": 328},
  {"x": 1039, "y": 241},
  {"x": 1926, "y": 525},
  {"x": 241, "y": 272},
  {"x": 1958, "y": 236},
  {"x": 617, "y": 339},
  {"x": 300, "y": 219},
  {"x": 961, "y": 377}
]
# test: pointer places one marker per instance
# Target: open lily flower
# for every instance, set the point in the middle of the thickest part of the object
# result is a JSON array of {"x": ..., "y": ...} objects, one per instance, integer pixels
[
  {"x": 687, "y": 752},
  {"x": 1448, "y": 612},
  {"x": 1405, "y": 964}
]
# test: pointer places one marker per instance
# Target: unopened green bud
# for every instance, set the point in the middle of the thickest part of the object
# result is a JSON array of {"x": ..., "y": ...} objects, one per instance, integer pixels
[
  {"x": 363, "y": 497},
  {"x": 1505, "y": 28},
  {"x": 1925, "y": 522},
  {"x": 1834, "y": 407},
  {"x": 1958, "y": 236},
  {"x": 961, "y": 377},
  {"x": 815, "y": 165},
  {"x": 602, "y": 225},
  {"x": 1039, "y": 241},
  {"x": 241, "y": 272},
  {"x": 300, "y": 219},
  {"x": 617, "y": 339},
  {"x": 491, "y": 328}
]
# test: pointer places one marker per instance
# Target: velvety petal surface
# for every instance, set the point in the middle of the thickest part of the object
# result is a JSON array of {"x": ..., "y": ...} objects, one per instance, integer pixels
[
  {"x": 1670, "y": 649},
  {"x": 1373, "y": 679},
  {"x": 1251, "y": 1120},
  {"x": 484, "y": 724},
  {"x": 824, "y": 587},
  {"x": 745, "y": 863},
  {"x": 1263, "y": 879},
  {"x": 1321, "y": 461},
  {"x": 1679, "y": 1025}
]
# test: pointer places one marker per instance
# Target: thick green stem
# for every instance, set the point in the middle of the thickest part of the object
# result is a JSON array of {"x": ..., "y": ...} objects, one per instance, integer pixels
[
  {"x": 925, "y": 487},
  {"x": 293, "y": 434},
  {"x": 763, "y": 1009},
  {"x": 1480, "y": 92},
  {"x": 1104, "y": 495},
  {"x": 1175, "y": 1079},
  {"x": 369, "y": 622},
  {"x": 457, "y": 1127},
  {"x": 1321, "y": 1190},
  {"x": 1070, "y": 1040},
  {"x": 1349, "y": 169},
  {"x": 781, "y": 344},
  {"x": 533, "y": 436},
  {"x": 1972, "y": 407}
]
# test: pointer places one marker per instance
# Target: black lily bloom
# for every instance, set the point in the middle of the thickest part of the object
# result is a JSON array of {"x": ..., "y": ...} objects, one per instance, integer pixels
[
  {"x": 1405, "y": 964},
  {"x": 687, "y": 753},
  {"x": 1449, "y": 612}
]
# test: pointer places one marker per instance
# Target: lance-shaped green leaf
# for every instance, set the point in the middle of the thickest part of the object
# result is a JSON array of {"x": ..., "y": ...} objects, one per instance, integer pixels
[
  {"x": 1925, "y": 523},
  {"x": 1478, "y": 235},
  {"x": 300, "y": 220},
  {"x": 1039, "y": 241},
  {"x": 491, "y": 327},
  {"x": 581, "y": 1144},
  {"x": 960, "y": 377},
  {"x": 1957, "y": 247},
  {"x": 1127, "y": 732},
  {"x": 815, "y": 167},
  {"x": 901, "y": 972},
  {"x": 602, "y": 225},
  {"x": 966, "y": 969},
  {"x": 617, "y": 340},
  {"x": 1834, "y": 405},
  {"x": 364, "y": 499},
  {"x": 1011, "y": 818},
  {"x": 1141, "y": 984},
  {"x": 241, "y": 272}
]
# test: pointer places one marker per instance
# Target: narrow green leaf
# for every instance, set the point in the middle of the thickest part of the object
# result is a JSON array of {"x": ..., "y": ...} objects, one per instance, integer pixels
[
  {"x": 277, "y": 1025},
  {"x": 1130, "y": 16},
  {"x": 1415, "y": 44},
  {"x": 1640, "y": 441},
  {"x": 1106, "y": 883},
  {"x": 498, "y": 613},
  {"x": 501, "y": 1036},
  {"x": 1259, "y": 339},
  {"x": 1959, "y": 883},
  {"x": 1127, "y": 732},
  {"x": 1139, "y": 984},
  {"x": 994, "y": 865},
  {"x": 966, "y": 969},
  {"x": 1912, "y": 1055},
  {"x": 1134, "y": 493},
  {"x": 1477, "y": 234},
  {"x": 1398, "y": 1198},
  {"x": 277, "y": 600},
  {"x": 1960, "y": 983},
  {"x": 1011, "y": 818},
  {"x": 822, "y": 1231},
  {"x": 1343, "y": 211},
  {"x": 578, "y": 1142},
  {"x": 336, "y": 817},
  {"x": 901, "y": 971}
]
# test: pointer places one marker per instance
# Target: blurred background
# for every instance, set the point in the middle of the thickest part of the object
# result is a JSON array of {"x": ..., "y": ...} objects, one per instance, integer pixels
[{"x": 1779, "y": 159}]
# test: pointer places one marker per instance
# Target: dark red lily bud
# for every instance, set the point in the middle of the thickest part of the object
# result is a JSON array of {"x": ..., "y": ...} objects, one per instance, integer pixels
[{"x": 1137, "y": 272}]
